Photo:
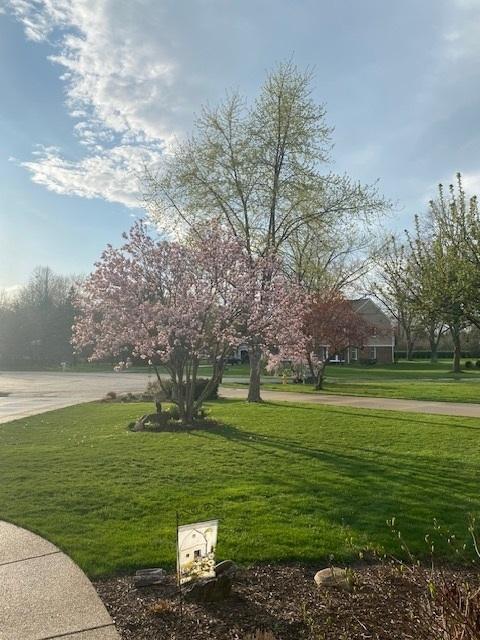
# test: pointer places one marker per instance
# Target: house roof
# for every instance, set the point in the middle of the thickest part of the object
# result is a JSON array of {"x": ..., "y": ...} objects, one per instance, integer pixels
[{"x": 374, "y": 313}]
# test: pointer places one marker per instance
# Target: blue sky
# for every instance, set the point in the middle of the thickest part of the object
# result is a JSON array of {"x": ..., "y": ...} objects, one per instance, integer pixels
[{"x": 92, "y": 89}]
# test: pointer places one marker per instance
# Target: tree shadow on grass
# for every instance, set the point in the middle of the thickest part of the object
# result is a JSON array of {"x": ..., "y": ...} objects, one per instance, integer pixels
[
  {"x": 363, "y": 486},
  {"x": 406, "y": 464},
  {"x": 411, "y": 418}
]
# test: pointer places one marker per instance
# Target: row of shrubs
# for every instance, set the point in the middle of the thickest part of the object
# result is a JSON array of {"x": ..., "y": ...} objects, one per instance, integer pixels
[
  {"x": 426, "y": 355},
  {"x": 470, "y": 365}
]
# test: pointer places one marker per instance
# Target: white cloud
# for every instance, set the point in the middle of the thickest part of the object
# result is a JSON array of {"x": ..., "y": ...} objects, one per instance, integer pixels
[
  {"x": 11, "y": 291},
  {"x": 471, "y": 183},
  {"x": 39, "y": 17},
  {"x": 462, "y": 35},
  {"x": 120, "y": 87},
  {"x": 112, "y": 174},
  {"x": 467, "y": 4},
  {"x": 133, "y": 69}
]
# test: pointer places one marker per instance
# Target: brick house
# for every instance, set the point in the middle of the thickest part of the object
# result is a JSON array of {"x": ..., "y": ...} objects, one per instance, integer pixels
[{"x": 380, "y": 345}]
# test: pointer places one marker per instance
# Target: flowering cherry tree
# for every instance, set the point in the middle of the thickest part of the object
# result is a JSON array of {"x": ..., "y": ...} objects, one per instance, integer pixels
[
  {"x": 176, "y": 304},
  {"x": 330, "y": 322},
  {"x": 274, "y": 329}
]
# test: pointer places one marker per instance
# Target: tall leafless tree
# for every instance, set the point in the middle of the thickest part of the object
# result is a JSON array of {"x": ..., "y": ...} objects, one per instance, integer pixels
[{"x": 261, "y": 169}]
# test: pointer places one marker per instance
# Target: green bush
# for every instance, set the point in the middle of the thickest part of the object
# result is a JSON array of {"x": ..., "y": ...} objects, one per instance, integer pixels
[
  {"x": 468, "y": 364},
  {"x": 172, "y": 413},
  {"x": 477, "y": 364},
  {"x": 426, "y": 355},
  {"x": 166, "y": 394}
]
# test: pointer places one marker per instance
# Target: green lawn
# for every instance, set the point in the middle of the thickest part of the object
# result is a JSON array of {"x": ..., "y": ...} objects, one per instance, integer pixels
[
  {"x": 448, "y": 391},
  {"x": 415, "y": 380},
  {"x": 288, "y": 482},
  {"x": 418, "y": 380},
  {"x": 403, "y": 370}
]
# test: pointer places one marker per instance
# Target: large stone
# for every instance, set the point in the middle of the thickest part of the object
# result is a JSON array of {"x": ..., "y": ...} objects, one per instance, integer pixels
[
  {"x": 334, "y": 577},
  {"x": 147, "y": 577},
  {"x": 227, "y": 567},
  {"x": 208, "y": 589}
]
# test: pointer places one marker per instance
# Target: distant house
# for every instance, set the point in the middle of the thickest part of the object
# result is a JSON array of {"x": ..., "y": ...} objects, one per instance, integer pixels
[{"x": 379, "y": 347}]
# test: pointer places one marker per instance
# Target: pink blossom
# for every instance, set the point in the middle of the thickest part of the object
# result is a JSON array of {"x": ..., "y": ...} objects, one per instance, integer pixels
[{"x": 174, "y": 304}]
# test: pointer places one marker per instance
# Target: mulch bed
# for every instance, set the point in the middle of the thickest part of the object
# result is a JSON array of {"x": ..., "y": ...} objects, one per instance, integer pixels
[{"x": 385, "y": 604}]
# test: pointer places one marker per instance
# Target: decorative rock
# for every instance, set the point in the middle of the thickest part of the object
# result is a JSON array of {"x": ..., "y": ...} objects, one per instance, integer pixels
[
  {"x": 147, "y": 577},
  {"x": 333, "y": 577},
  {"x": 227, "y": 567},
  {"x": 139, "y": 426},
  {"x": 155, "y": 418},
  {"x": 209, "y": 589}
]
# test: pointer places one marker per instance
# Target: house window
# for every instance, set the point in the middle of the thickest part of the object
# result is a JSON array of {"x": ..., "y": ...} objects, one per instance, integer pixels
[
  {"x": 354, "y": 354},
  {"x": 374, "y": 332},
  {"x": 197, "y": 553}
]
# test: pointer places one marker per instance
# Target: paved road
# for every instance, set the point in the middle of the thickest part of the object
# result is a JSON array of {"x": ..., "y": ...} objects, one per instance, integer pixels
[
  {"x": 37, "y": 392},
  {"x": 32, "y": 392}
]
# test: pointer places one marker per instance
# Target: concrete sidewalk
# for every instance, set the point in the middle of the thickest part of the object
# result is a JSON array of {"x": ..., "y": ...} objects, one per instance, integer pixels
[
  {"x": 44, "y": 595},
  {"x": 463, "y": 409}
]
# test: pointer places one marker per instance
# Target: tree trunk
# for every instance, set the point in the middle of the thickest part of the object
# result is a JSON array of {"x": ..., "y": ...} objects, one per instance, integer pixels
[
  {"x": 435, "y": 332},
  {"x": 214, "y": 380},
  {"x": 457, "y": 350},
  {"x": 255, "y": 355},
  {"x": 320, "y": 376},
  {"x": 310, "y": 366},
  {"x": 218, "y": 369},
  {"x": 433, "y": 352},
  {"x": 434, "y": 340},
  {"x": 410, "y": 342}
]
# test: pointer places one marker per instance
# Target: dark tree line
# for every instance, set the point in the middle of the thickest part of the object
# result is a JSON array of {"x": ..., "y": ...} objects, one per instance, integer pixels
[{"x": 36, "y": 324}]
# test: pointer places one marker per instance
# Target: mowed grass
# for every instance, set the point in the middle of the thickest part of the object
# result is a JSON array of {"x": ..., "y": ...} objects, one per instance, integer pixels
[
  {"x": 446, "y": 391},
  {"x": 403, "y": 370},
  {"x": 288, "y": 482},
  {"x": 417, "y": 380}
]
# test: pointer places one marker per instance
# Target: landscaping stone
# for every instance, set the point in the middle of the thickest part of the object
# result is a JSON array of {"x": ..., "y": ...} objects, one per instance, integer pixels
[
  {"x": 139, "y": 426},
  {"x": 209, "y": 589},
  {"x": 227, "y": 567},
  {"x": 333, "y": 577},
  {"x": 147, "y": 577},
  {"x": 279, "y": 597}
]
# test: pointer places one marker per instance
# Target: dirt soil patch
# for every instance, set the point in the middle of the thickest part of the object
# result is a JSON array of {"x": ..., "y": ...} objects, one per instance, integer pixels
[{"x": 386, "y": 604}]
